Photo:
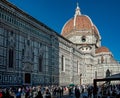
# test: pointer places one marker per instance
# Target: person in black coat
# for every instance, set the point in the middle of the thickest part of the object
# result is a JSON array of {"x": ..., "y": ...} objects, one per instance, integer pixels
[
  {"x": 48, "y": 95},
  {"x": 39, "y": 95},
  {"x": 77, "y": 92}
]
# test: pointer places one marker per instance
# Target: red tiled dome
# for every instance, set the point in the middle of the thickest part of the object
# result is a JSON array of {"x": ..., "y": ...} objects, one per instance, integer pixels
[
  {"x": 101, "y": 49},
  {"x": 80, "y": 22},
  {"x": 96, "y": 32}
]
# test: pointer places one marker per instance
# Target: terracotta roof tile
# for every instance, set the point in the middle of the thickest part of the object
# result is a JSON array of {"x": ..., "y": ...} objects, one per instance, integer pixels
[
  {"x": 82, "y": 22},
  {"x": 101, "y": 49}
]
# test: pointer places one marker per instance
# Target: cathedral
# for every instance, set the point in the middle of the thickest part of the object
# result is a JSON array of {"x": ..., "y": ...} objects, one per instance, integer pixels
[{"x": 31, "y": 53}]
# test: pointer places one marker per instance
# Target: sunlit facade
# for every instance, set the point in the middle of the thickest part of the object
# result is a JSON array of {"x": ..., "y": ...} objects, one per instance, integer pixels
[{"x": 31, "y": 53}]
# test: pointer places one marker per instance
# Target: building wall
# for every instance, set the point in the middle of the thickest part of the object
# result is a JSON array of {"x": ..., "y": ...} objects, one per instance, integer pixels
[
  {"x": 41, "y": 56},
  {"x": 30, "y": 40},
  {"x": 70, "y": 59}
]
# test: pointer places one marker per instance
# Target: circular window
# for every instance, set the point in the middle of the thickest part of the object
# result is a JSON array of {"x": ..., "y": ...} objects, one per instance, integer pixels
[{"x": 83, "y": 39}]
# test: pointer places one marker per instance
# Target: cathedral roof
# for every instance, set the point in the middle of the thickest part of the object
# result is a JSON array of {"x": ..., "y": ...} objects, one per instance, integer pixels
[
  {"x": 101, "y": 49},
  {"x": 79, "y": 23}
]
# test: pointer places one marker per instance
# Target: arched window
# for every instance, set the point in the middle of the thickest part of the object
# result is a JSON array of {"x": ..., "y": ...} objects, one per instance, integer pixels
[
  {"x": 40, "y": 63},
  {"x": 23, "y": 53},
  {"x": 33, "y": 56},
  {"x": 77, "y": 66},
  {"x": 63, "y": 63},
  {"x": 11, "y": 58},
  {"x": 102, "y": 59}
]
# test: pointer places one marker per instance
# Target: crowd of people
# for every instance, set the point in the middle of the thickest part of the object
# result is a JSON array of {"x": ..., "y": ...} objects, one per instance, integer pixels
[
  {"x": 84, "y": 91},
  {"x": 111, "y": 91},
  {"x": 31, "y": 92}
]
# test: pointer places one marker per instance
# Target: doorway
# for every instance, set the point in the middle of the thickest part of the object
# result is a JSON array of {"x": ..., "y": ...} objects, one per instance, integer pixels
[{"x": 27, "y": 78}]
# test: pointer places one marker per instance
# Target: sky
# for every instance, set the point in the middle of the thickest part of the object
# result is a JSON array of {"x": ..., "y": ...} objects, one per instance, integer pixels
[{"x": 105, "y": 14}]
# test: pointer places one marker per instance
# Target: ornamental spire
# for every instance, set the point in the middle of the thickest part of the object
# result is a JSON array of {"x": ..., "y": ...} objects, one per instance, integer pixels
[{"x": 77, "y": 11}]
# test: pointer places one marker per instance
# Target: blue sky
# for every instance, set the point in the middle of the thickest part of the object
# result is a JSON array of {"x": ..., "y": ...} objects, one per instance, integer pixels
[{"x": 105, "y": 14}]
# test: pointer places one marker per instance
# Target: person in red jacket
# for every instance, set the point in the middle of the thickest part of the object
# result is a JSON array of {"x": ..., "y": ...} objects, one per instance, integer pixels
[{"x": 1, "y": 94}]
